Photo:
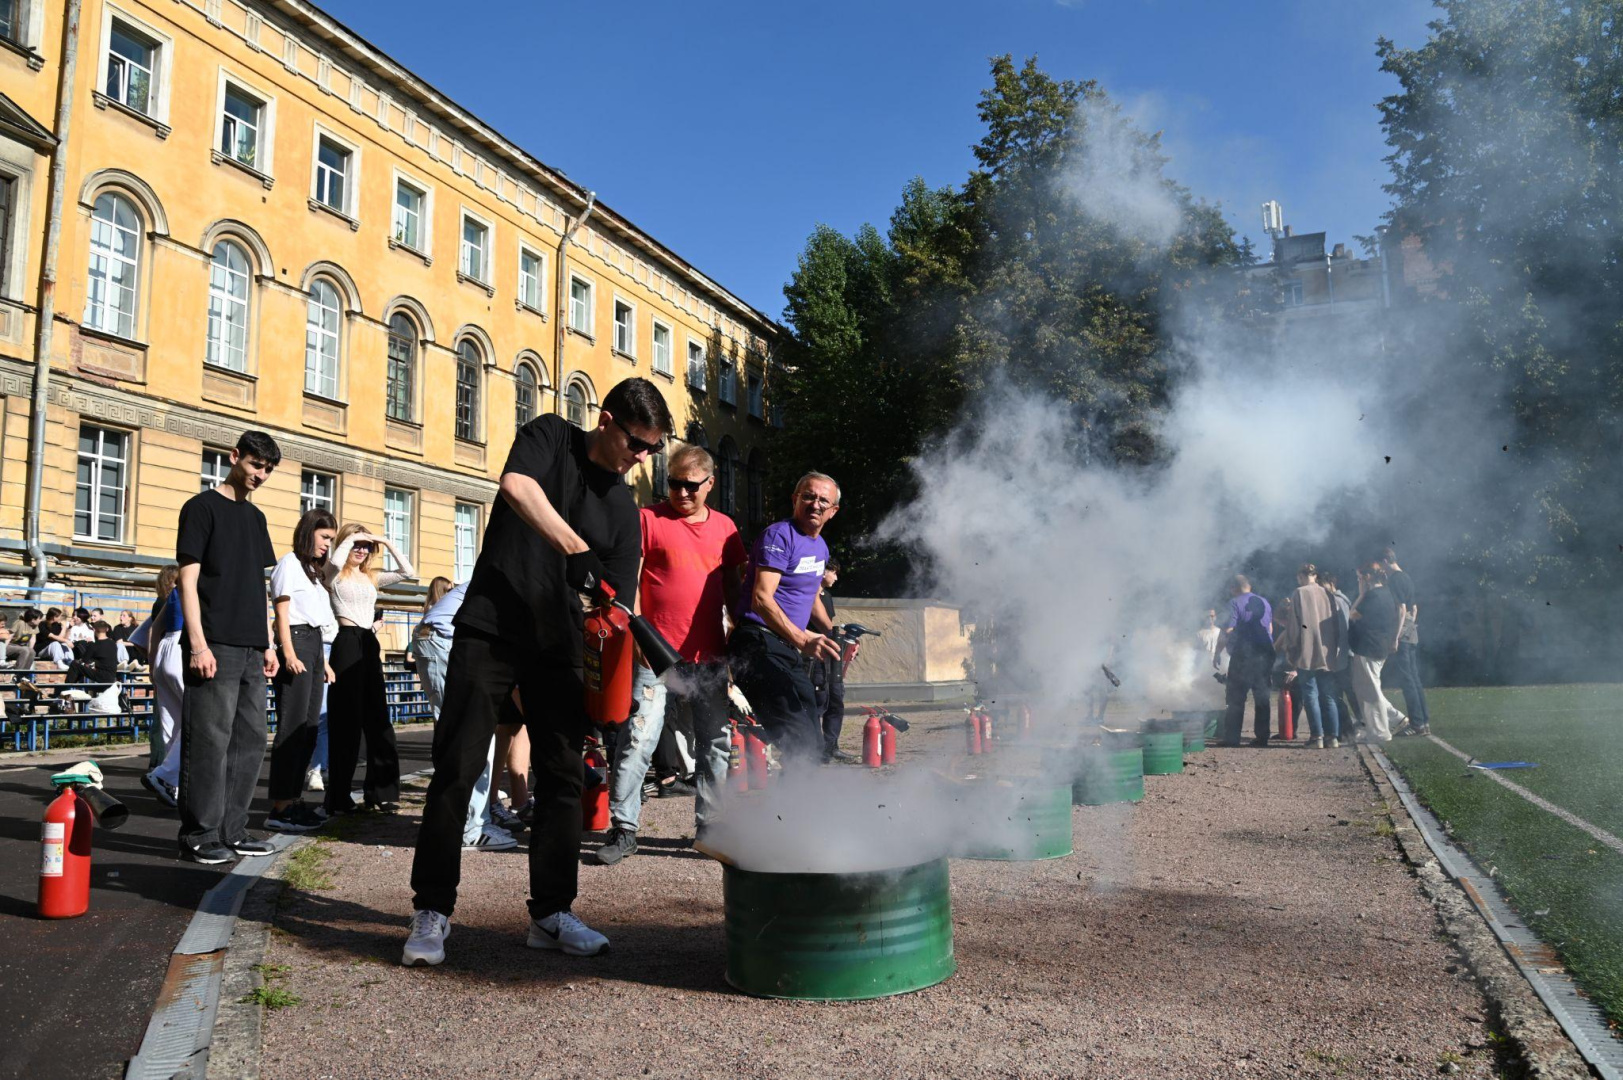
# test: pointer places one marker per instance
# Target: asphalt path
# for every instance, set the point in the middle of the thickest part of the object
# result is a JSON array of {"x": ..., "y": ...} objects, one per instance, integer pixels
[{"x": 78, "y": 992}]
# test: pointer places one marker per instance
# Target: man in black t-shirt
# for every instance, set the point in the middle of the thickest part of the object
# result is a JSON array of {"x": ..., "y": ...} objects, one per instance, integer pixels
[
  {"x": 828, "y": 679},
  {"x": 565, "y": 522},
  {"x": 223, "y": 549},
  {"x": 1405, "y": 665}
]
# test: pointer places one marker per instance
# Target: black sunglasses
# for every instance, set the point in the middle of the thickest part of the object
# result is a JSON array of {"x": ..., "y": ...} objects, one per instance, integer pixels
[
  {"x": 634, "y": 444},
  {"x": 690, "y": 486}
]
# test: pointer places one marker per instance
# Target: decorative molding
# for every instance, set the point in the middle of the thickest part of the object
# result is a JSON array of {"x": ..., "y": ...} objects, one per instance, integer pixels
[{"x": 225, "y": 159}]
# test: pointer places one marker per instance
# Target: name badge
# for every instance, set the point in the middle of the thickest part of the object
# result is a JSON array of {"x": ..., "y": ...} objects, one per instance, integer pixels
[{"x": 809, "y": 564}]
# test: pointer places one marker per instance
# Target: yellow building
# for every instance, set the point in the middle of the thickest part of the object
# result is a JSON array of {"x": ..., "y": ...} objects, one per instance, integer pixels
[{"x": 265, "y": 222}]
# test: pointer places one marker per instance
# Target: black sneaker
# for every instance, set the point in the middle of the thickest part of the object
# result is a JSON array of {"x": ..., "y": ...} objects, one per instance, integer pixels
[
  {"x": 247, "y": 845},
  {"x": 622, "y": 842},
  {"x": 383, "y": 806},
  {"x": 677, "y": 789},
  {"x": 837, "y": 754},
  {"x": 1413, "y": 729},
  {"x": 293, "y": 818},
  {"x": 526, "y": 814},
  {"x": 208, "y": 854}
]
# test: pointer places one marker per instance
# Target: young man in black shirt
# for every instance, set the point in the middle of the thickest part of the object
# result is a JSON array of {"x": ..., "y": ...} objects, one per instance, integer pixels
[
  {"x": 223, "y": 549},
  {"x": 565, "y": 522},
  {"x": 1406, "y": 663}
]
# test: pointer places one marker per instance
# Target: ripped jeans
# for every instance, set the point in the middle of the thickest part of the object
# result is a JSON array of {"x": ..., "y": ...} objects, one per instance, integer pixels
[{"x": 701, "y": 688}]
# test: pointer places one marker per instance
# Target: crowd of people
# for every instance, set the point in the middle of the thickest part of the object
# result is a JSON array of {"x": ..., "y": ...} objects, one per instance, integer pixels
[{"x": 1325, "y": 653}]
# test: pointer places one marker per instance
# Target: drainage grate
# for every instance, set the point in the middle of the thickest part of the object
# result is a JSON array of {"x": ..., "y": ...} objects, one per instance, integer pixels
[
  {"x": 1584, "y": 1024},
  {"x": 178, "y": 1035}
]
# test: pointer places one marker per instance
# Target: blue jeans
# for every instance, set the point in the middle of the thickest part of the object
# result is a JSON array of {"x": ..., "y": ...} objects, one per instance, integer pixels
[
  {"x": 1317, "y": 690},
  {"x": 699, "y": 688}
]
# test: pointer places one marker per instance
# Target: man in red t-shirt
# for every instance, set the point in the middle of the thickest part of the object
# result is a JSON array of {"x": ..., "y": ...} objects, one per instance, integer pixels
[{"x": 692, "y": 562}]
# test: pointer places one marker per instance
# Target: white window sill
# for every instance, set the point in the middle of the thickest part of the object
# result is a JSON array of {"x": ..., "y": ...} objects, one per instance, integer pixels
[
  {"x": 520, "y": 305},
  {"x": 402, "y": 246},
  {"x": 224, "y": 159},
  {"x": 104, "y": 102},
  {"x": 469, "y": 279},
  {"x": 591, "y": 339},
  {"x": 630, "y": 358},
  {"x": 321, "y": 207}
]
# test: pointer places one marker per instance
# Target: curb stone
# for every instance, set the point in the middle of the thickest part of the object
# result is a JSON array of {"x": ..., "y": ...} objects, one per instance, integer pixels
[
  {"x": 1540, "y": 1043},
  {"x": 238, "y": 1042}
]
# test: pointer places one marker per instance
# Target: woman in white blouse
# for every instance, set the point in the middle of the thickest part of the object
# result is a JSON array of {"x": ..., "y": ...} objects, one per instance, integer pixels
[
  {"x": 356, "y": 702},
  {"x": 304, "y": 620}
]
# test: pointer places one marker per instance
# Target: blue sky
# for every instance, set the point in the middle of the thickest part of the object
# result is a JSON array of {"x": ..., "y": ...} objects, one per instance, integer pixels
[{"x": 728, "y": 129}]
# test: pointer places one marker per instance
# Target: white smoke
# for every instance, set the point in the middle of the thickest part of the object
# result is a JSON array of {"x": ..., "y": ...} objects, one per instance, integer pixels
[{"x": 1116, "y": 179}]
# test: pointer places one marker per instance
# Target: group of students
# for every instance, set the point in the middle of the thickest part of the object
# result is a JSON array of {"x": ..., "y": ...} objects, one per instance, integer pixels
[
  {"x": 1328, "y": 651},
  {"x": 215, "y": 654}
]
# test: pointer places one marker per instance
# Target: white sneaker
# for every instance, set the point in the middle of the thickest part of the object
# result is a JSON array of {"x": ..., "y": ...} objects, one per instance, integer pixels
[
  {"x": 564, "y": 932},
  {"x": 313, "y": 781},
  {"x": 492, "y": 839},
  {"x": 1317, "y": 742},
  {"x": 1335, "y": 744},
  {"x": 425, "y": 946}
]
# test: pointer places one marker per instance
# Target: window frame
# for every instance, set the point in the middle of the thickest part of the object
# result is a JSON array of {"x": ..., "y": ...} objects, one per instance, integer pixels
[
  {"x": 540, "y": 305},
  {"x": 628, "y": 347},
  {"x": 755, "y": 393},
  {"x": 138, "y": 264},
  {"x": 218, "y": 474},
  {"x": 590, "y": 306},
  {"x": 526, "y": 364},
  {"x": 425, "y": 214},
  {"x": 163, "y": 46},
  {"x": 225, "y": 298},
  {"x": 404, "y": 541},
  {"x": 414, "y": 368},
  {"x": 727, "y": 380},
  {"x": 337, "y": 337},
  {"x": 264, "y": 163},
  {"x": 577, "y": 382},
  {"x": 127, "y": 463},
  {"x": 309, "y": 499},
  {"x": 458, "y": 534},
  {"x": 487, "y": 276},
  {"x": 701, "y": 384},
  {"x": 670, "y": 348},
  {"x": 469, "y": 429},
  {"x": 350, "y": 211}
]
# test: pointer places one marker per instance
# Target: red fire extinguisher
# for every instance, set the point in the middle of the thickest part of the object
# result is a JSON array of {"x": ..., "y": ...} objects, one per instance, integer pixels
[
  {"x": 986, "y": 731},
  {"x": 887, "y": 741},
  {"x": 607, "y": 661},
  {"x": 755, "y": 764},
  {"x": 972, "y": 731},
  {"x": 65, "y": 839},
  {"x": 872, "y": 750},
  {"x": 737, "y": 779},
  {"x": 594, "y": 797},
  {"x": 1287, "y": 715}
]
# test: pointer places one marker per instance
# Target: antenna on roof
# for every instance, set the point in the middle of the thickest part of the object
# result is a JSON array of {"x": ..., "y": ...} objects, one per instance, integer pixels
[{"x": 1273, "y": 218}]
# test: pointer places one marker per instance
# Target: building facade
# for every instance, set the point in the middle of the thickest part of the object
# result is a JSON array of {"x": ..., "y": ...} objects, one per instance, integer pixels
[{"x": 266, "y": 222}]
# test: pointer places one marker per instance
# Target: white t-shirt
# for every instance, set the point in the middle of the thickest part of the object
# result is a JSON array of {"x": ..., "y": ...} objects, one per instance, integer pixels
[
  {"x": 308, "y": 603},
  {"x": 80, "y": 632}
]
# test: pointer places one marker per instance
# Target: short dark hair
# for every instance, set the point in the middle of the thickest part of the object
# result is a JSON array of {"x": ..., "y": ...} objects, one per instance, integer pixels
[
  {"x": 638, "y": 401},
  {"x": 260, "y": 445},
  {"x": 1389, "y": 554},
  {"x": 100, "y": 626},
  {"x": 832, "y": 564},
  {"x": 82, "y": 614},
  {"x": 1327, "y": 577},
  {"x": 33, "y": 614}
]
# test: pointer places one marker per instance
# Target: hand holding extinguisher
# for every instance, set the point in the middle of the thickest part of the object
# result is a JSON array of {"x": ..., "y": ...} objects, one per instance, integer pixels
[{"x": 611, "y": 629}]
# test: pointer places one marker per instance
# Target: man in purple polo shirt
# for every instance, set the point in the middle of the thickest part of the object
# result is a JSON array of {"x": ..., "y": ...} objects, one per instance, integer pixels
[
  {"x": 783, "y": 623},
  {"x": 1248, "y": 635}
]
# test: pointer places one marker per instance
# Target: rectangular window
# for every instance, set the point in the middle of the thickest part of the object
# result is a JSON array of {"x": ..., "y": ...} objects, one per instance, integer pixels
[
  {"x": 467, "y": 541},
  {"x": 475, "y": 249},
  {"x": 662, "y": 348},
  {"x": 1293, "y": 294},
  {"x": 10, "y": 21},
  {"x": 727, "y": 384},
  {"x": 397, "y": 506},
  {"x": 408, "y": 215},
  {"x": 216, "y": 467},
  {"x": 580, "y": 306},
  {"x": 332, "y": 174},
  {"x": 318, "y": 491},
  {"x": 8, "y": 204},
  {"x": 132, "y": 68},
  {"x": 240, "y": 122},
  {"x": 696, "y": 365},
  {"x": 103, "y": 480},
  {"x": 625, "y": 329},
  {"x": 529, "y": 279},
  {"x": 753, "y": 389},
  {"x": 115, "y": 246}
]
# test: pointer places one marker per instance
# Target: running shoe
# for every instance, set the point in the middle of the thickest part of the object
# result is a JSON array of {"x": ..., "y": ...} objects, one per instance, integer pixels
[
  {"x": 492, "y": 838},
  {"x": 425, "y": 945},
  {"x": 567, "y": 934}
]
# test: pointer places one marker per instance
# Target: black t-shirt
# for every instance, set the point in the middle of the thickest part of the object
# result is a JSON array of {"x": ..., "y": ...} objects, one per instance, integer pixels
[
  {"x": 228, "y": 539},
  {"x": 1402, "y": 587},
  {"x": 518, "y": 591},
  {"x": 101, "y": 657},
  {"x": 828, "y": 603},
  {"x": 1377, "y": 625}
]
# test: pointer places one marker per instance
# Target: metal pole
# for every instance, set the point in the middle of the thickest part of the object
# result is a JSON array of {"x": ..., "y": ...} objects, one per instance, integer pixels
[
  {"x": 559, "y": 311},
  {"x": 46, "y": 318}
]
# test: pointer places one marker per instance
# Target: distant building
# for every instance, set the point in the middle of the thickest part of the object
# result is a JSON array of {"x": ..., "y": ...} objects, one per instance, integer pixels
[{"x": 1303, "y": 280}]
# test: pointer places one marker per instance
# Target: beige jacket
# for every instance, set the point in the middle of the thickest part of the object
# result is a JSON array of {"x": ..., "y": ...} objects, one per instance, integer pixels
[{"x": 1312, "y": 634}]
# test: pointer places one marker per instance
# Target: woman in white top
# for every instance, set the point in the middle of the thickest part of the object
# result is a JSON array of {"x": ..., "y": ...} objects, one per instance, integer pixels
[
  {"x": 356, "y": 702},
  {"x": 303, "y": 618}
]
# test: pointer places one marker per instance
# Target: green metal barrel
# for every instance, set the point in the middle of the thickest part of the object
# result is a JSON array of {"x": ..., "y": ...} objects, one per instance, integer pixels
[
  {"x": 1110, "y": 773},
  {"x": 1194, "y": 729},
  {"x": 1017, "y": 823},
  {"x": 838, "y": 937},
  {"x": 1163, "y": 747}
]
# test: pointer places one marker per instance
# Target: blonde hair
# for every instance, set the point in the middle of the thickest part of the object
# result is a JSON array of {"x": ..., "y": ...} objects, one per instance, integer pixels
[
  {"x": 366, "y": 567},
  {"x": 436, "y": 591}
]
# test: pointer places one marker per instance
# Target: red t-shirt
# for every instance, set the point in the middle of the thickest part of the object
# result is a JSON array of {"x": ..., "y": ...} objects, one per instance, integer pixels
[{"x": 682, "y": 566}]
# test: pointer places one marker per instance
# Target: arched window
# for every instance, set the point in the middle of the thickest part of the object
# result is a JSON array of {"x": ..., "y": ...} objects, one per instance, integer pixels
[
  {"x": 468, "y": 360},
  {"x": 526, "y": 392},
  {"x": 757, "y": 479},
  {"x": 575, "y": 403},
  {"x": 696, "y": 435},
  {"x": 321, "y": 315},
  {"x": 115, "y": 254},
  {"x": 227, "y": 344},
  {"x": 402, "y": 373},
  {"x": 726, "y": 475}
]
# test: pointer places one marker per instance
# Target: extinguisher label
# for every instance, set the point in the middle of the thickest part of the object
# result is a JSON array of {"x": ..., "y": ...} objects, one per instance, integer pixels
[{"x": 51, "y": 844}]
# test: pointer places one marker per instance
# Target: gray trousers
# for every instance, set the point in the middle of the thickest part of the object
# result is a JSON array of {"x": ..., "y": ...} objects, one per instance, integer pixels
[{"x": 222, "y": 743}]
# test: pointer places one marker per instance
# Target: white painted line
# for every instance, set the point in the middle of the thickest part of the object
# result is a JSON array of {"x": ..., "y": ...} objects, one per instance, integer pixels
[{"x": 1543, "y": 804}]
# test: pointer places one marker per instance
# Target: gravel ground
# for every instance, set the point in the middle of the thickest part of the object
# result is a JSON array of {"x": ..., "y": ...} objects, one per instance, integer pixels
[{"x": 1251, "y": 917}]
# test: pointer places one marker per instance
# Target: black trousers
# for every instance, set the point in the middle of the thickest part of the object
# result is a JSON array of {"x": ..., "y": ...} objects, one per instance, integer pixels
[
  {"x": 1405, "y": 668},
  {"x": 773, "y": 678},
  {"x": 356, "y": 705},
  {"x": 1248, "y": 673},
  {"x": 828, "y": 685},
  {"x": 222, "y": 742},
  {"x": 298, "y": 715},
  {"x": 479, "y": 677}
]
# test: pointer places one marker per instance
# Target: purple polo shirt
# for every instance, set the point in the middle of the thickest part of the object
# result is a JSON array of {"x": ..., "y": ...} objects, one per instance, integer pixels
[
  {"x": 799, "y": 558},
  {"x": 1252, "y": 620}
]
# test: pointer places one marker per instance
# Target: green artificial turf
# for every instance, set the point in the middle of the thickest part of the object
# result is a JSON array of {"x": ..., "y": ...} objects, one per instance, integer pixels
[{"x": 1575, "y": 734}]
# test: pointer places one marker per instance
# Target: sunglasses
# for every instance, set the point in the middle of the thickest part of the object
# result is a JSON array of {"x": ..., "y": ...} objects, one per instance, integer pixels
[
  {"x": 690, "y": 486},
  {"x": 364, "y": 549},
  {"x": 634, "y": 444}
]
